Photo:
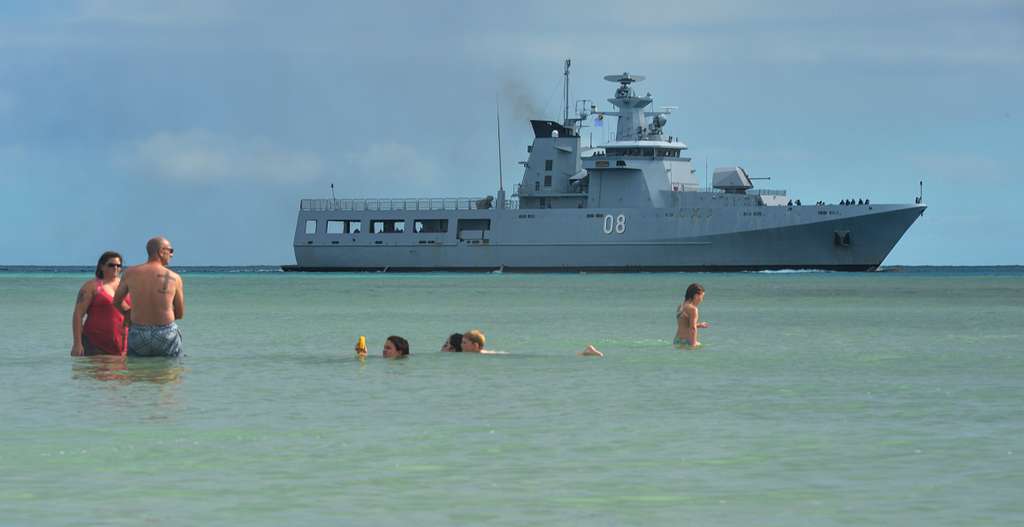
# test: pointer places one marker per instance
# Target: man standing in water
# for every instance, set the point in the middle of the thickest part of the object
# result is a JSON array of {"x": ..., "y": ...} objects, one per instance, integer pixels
[
  {"x": 158, "y": 299},
  {"x": 687, "y": 317}
]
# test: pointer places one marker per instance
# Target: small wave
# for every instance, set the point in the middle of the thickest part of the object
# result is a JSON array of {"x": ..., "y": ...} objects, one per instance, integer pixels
[{"x": 791, "y": 271}]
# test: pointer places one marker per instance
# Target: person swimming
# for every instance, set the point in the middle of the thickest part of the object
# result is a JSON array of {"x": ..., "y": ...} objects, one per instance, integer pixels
[
  {"x": 454, "y": 343},
  {"x": 687, "y": 318},
  {"x": 473, "y": 342},
  {"x": 395, "y": 347}
]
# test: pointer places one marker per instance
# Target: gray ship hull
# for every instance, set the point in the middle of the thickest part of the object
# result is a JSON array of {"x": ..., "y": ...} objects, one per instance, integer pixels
[{"x": 832, "y": 237}]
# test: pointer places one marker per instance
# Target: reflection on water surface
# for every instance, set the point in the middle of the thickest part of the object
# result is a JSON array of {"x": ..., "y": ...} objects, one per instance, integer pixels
[{"x": 125, "y": 370}]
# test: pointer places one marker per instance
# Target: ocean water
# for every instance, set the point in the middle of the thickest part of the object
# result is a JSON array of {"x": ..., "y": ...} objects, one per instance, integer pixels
[{"x": 819, "y": 399}]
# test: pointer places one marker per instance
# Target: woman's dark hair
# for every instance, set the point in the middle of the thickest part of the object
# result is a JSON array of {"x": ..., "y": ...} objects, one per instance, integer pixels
[
  {"x": 104, "y": 258},
  {"x": 400, "y": 344},
  {"x": 694, "y": 290},
  {"x": 455, "y": 341}
]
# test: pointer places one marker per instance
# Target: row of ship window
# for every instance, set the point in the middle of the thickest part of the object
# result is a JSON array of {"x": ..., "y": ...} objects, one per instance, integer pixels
[
  {"x": 635, "y": 152},
  {"x": 648, "y": 152},
  {"x": 396, "y": 226}
]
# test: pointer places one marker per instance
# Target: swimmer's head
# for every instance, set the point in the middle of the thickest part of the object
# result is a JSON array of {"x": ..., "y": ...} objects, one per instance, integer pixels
[
  {"x": 454, "y": 343},
  {"x": 395, "y": 347},
  {"x": 473, "y": 340},
  {"x": 694, "y": 291}
]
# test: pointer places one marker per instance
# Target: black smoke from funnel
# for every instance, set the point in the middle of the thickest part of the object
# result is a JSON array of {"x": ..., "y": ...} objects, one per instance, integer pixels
[{"x": 519, "y": 100}]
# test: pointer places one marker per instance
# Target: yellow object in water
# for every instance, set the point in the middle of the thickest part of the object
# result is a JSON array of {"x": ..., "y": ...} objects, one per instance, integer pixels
[{"x": 361, "y": 345}]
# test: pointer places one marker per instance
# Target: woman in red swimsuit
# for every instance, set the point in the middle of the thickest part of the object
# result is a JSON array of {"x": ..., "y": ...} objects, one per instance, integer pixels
[{"x": 104, "y": 331}]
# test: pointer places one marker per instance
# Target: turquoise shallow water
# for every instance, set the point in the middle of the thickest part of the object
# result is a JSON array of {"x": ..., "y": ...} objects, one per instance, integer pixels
[{"x": 819, "y": 399}]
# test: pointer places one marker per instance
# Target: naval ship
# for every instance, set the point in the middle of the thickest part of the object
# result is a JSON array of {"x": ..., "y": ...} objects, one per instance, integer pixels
[{"x": 632, "y": 204}]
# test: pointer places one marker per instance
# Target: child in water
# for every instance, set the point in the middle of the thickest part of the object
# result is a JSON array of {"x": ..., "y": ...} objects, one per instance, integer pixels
[{"x": 687, "y": 317}]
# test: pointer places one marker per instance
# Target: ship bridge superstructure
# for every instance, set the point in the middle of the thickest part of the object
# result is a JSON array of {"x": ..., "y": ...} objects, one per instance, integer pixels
[{"x": 642, "y": 167}]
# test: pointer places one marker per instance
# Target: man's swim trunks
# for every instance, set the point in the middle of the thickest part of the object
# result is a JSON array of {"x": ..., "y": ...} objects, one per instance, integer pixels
[{"x": 154, "y": 341}]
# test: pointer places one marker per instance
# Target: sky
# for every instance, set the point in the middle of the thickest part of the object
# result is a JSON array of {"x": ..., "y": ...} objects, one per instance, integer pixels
[{"x": 207, "y": 121}]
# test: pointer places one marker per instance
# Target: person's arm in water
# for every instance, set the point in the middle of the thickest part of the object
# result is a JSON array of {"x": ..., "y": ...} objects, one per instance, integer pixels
[
  {"x": 696, "y": 315},
  {"x": 179, "y": 299},
  {"x": 82, "y": 302},
  {"x": 119, "y": 295}
]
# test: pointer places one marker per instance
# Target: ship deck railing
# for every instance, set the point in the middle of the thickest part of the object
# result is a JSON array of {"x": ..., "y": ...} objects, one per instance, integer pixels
[
  {"x": 753, "y": 191},
  {"x": 389, "y": 204}
]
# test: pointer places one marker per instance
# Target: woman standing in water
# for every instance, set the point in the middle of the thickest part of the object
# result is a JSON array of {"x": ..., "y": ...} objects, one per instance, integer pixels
[
  {"x": 687, "y": 317},
  {"x": 104, "y": 331}
]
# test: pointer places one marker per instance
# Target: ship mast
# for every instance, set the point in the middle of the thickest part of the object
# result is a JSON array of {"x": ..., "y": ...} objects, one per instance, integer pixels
[
  {"x": 501, "y": 183},
  {"x": 565, "y": 115}
]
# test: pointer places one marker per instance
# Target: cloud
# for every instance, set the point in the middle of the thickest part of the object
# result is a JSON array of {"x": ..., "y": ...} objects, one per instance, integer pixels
[
  {"x": 666, "y": 32},
  {"x": 949, "y": 33},
  {"x": 960, "y": 167},
  {"x": 7, "y": 102},
  {"x": 155, "y": 12},
  {"x": 392, "y": 166},
  {"x": 12, "y": 159},
  {"x": 199, "y": 156},
  {"x": 994, "y": 46}
]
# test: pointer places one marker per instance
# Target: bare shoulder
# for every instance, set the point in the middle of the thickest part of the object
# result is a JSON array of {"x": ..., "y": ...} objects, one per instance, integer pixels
[
  {"x": 129, "y": 272},
  {"x": 87, "y": 289}
]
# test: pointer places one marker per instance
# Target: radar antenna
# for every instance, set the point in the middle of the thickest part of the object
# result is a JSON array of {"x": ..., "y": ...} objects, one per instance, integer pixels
[
  {"x": 625, "y": 78},
  {"x": 624, "y": 81}
]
